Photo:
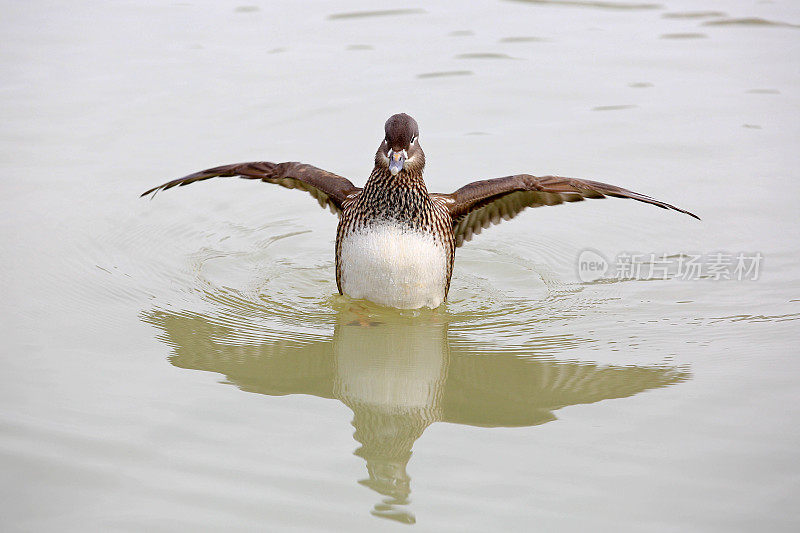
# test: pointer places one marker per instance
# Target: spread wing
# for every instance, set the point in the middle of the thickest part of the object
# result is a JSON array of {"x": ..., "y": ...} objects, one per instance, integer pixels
[
  {"x": 480, "y": 204},
  {"x": 329, "y": 189}
]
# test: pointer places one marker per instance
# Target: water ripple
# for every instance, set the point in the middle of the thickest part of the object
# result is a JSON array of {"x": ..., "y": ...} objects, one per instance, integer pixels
[
  {"x": 445, "y": 74},
  {"x": 751, "y": 21},
  {"x": 693, "y": 14},
  {"x": 594, "y": 5},
  {"x": 376, "y": 13}
]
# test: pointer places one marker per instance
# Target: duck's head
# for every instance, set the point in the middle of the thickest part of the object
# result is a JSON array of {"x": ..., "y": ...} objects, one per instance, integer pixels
[{"x": 400, "y": 149}]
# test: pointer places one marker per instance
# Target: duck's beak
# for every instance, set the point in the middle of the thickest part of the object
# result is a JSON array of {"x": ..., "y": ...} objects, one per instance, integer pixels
[{"x": 396, "y": 161}]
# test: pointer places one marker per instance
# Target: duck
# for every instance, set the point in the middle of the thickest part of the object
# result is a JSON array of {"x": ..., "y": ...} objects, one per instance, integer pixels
[{"x": 395, "y": 241}]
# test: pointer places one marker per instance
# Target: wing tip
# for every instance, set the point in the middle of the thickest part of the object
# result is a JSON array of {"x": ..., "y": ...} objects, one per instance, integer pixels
[{"x": 679, "y": 210}]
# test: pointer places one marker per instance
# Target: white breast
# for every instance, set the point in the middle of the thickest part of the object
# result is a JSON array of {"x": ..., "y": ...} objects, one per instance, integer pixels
[{"x": 393, "y": 266}]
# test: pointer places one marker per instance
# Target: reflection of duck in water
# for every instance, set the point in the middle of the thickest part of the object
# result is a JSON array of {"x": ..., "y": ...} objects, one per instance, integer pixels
[
  {"x": 398, "y": 377},
  {"x": 396, "y": 242}
]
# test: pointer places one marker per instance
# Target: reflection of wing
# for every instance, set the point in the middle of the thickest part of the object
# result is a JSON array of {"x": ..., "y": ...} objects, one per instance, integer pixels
[
  {"x": 276, "y": 369},
  {"x": 512, "y": 391},
  {"x": 480, "y": 388},
  {"x": 398, "y": 375}
]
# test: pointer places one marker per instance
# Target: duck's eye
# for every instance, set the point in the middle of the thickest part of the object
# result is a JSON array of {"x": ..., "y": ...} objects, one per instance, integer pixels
[{"x": 413, "y": 140}]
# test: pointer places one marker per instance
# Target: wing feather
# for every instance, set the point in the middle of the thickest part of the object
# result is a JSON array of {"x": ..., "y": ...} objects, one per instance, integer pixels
[
  {"x": 480, "y": 204},
  {"x": 329, "y": 189}
]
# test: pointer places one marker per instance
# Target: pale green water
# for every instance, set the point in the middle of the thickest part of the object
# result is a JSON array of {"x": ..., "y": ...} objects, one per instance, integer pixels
[{"x": 530, "y": 401}]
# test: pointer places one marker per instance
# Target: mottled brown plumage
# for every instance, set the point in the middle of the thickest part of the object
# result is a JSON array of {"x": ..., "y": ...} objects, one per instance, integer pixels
[{"x": 395, "y": 196}]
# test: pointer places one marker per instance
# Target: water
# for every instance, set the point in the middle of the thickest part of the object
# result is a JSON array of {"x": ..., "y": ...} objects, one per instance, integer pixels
[{"x": 185, "y": 363}]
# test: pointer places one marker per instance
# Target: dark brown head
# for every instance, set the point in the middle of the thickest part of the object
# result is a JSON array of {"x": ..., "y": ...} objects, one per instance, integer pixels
[{"x": 400, "y": 149}]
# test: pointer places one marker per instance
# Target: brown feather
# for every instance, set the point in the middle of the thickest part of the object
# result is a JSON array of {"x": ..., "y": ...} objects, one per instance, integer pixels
[
  {"x": 327, "y": 188},
  {"x": 480, "y": 204}
]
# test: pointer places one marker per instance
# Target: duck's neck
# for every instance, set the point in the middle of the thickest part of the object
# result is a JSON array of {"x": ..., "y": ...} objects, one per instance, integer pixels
[
  {"x": 381, "y": 178},
  {"x": 401, "y": 198}
]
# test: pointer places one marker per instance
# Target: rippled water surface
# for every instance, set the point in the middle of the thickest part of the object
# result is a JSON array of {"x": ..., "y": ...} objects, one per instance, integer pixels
[{"x": 185, "y": 362}]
